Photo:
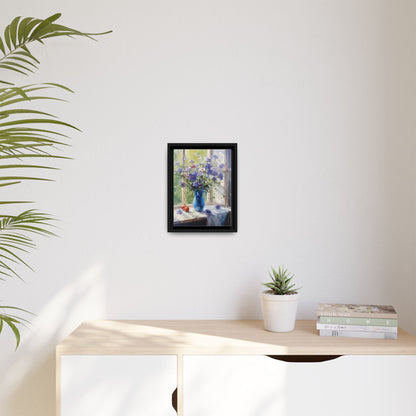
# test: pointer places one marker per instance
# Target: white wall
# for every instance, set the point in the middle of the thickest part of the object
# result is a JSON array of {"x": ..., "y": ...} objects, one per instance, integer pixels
[{"x": 319, "y": 95}]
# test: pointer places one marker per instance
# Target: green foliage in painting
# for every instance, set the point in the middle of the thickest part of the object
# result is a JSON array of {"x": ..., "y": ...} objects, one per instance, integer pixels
[
  {"x": 182, "y": 156},
  {"x": 177, "y": 191},
  {"x": 193, "y": 154},
  {"x": 29, "y": 141}
]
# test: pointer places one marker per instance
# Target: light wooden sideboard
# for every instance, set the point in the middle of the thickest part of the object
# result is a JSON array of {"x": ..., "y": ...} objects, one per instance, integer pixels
[{"x": 226, "y": 368}]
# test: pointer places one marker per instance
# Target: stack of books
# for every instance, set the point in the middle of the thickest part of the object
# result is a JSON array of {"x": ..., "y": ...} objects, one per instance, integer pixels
[{"x": 357, "y": 321}]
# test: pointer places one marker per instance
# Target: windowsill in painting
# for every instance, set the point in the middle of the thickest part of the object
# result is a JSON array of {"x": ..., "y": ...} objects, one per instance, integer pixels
[{"x": 210, "y": 216}]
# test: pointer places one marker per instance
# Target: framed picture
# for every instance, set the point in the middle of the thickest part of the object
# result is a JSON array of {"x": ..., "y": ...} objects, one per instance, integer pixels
[{"x": 202, "y": 187}]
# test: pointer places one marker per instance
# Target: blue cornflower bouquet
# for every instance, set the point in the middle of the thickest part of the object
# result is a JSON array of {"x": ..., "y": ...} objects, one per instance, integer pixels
[{"x": 201, "y": 175}]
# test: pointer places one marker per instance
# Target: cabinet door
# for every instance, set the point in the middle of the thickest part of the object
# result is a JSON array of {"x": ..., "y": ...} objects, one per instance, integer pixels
[
  {"x": 132, "y": 385},
  {"x": 232, "y": 385},
  {"x": 259, "y": 385}
]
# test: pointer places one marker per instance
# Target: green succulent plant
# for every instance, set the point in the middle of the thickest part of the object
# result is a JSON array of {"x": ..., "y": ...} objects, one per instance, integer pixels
[
  {"x": 281, "y": 282},
  {"x": 29, "y": 139}
]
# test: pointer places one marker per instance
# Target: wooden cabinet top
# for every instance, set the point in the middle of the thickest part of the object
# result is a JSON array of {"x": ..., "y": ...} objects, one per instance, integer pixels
[{"x": 220, "y": 337}]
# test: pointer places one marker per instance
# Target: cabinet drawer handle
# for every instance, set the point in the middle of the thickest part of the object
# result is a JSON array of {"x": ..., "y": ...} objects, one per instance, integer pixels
[
  {"x": 304, "y": 358},
  {"x": 175, "y": 400}
]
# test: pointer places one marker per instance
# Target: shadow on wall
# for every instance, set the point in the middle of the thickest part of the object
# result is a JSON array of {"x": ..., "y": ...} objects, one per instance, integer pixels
[
  {"x": 249, "y": 302},
  {"x": 28, "y": 386}
]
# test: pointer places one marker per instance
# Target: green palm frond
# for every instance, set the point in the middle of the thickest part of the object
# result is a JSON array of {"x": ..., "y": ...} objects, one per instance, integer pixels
[
  {"x": 26, "y": 133},
  {"x": 22, "y": 31},
  {"x": 16, "y": 237},
  {"x": 12, "y": 320},
  {"x": 30, "y": 140}
]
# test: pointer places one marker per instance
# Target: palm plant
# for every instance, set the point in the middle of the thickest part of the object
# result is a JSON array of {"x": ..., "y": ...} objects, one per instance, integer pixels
[{"x": 30, "y": 140}]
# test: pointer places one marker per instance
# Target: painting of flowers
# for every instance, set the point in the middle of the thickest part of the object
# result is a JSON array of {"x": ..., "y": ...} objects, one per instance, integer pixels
[{"x": 202, "y": 186}]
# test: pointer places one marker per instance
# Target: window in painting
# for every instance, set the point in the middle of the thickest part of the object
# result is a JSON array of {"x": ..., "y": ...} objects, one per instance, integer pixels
[{"x": 199, "y": 161}]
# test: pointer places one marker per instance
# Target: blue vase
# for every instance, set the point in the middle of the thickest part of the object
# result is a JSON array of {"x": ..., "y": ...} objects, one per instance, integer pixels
[{"x": 199, "y": 200}]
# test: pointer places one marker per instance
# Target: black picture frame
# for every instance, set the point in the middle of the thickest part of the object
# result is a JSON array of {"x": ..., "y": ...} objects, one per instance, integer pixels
[{"x": 194, "y": 225}]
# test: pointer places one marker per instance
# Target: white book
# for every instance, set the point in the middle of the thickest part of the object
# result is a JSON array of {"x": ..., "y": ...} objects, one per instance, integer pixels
[
  {"x": 357, "y": 334},
  {"x": 356, "y": 328}
]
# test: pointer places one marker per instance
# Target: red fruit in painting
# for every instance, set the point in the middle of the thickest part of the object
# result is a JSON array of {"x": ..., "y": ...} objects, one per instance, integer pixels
[
  {"x": 186, "y": 209},
  {"x": 192, "y": 166}
]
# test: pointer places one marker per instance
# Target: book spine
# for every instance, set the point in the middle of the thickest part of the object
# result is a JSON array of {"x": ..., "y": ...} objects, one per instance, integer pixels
[
  {"x": 336, "y": 320},
  {"x": 357, "y": 334},
  {"x": 389, "y": 316},
  {"x": 389, "y": 329}
]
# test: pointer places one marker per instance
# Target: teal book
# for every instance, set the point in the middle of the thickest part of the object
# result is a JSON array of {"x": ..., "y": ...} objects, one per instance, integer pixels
[{"x": 344, "y": 320}]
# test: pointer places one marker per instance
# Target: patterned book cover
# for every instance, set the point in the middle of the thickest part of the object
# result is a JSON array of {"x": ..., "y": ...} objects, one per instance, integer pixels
[
  {"x": 358, "y": 311},
  {"x": 356, "y": 334}
]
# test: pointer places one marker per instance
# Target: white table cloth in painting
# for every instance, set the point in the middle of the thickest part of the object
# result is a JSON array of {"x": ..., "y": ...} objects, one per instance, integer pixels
[{"x": 212, "y": 216}]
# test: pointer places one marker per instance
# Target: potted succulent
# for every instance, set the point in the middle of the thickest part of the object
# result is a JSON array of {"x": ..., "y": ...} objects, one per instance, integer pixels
[{"x": 280, "y": 301}]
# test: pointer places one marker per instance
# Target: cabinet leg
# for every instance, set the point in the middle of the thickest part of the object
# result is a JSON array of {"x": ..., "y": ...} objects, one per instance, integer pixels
[
  {"x": 58, "y": 385},
  {"x": 179, "y": 389}
]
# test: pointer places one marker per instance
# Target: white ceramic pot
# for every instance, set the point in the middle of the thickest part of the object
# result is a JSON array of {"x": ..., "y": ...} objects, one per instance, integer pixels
[{"x": 279, "y": 311}]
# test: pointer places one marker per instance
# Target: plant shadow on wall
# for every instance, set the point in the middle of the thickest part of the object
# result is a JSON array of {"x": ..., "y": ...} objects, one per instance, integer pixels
[{"x": 30, "y": 140}]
